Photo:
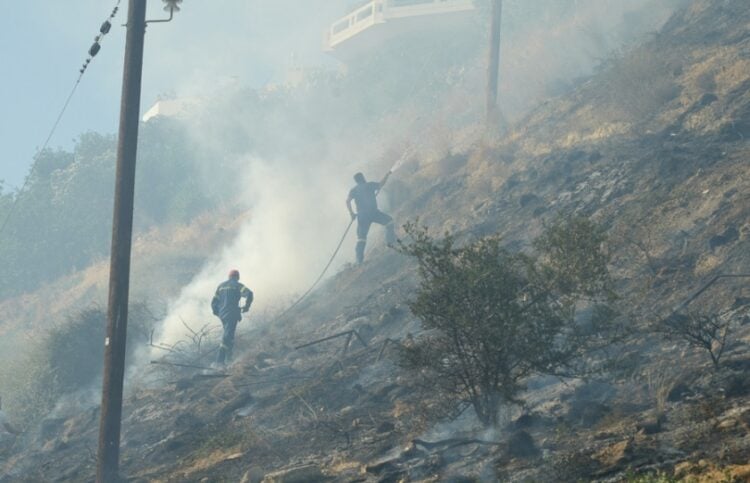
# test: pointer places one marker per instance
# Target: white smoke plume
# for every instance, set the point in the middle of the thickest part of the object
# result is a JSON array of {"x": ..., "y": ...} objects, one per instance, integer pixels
[
  {"x": 294, "y": 197},
  {"x": 296, "y": 217}
]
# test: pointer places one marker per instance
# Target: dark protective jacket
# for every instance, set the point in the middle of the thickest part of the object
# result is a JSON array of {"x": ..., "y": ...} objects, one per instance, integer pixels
[
  {"x": 365, "y": 197},
  {"x": 226, "y": 302}
]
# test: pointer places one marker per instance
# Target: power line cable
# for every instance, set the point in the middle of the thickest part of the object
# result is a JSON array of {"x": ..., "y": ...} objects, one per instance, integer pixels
[{"x": 93, "y": 50}]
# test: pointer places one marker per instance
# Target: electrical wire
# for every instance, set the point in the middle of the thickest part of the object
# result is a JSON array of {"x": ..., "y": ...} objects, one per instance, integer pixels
[{"x": 93, "y": 50}]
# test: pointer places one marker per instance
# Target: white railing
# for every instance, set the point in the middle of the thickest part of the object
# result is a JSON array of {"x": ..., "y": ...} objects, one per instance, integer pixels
[
  {"x": 379, "y": 11},
  {"x": 357, "y": 21}
]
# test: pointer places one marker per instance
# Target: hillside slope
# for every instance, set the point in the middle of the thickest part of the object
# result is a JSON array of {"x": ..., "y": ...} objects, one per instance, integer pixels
[{"x": 655, "y": 148}]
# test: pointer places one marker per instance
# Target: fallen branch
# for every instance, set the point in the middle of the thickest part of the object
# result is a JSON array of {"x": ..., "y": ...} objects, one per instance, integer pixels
[
  {"x": 334, "y": 336},
  {"x": 307, "y": 405},
  {"x": 189, "y": 366},
  {"x": 385, "y": 345},
  {"x": 452, "y": 443},
  {"x": 276, "y": 379}
]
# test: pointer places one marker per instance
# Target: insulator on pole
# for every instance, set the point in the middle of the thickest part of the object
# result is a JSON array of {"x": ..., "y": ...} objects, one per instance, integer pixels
[
  {"x": 172, "y": 5},
  {"x": 105, "y": 28},
  {"x": 94, "y": 49}
]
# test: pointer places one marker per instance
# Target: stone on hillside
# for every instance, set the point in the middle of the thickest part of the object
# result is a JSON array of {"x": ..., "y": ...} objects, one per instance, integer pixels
[
  {"x": 521, "y": 445},
  {"x": 527, "y": 420},
  {"x": 238, "y": 402},
  {"x": 528, "y": 199},
  {"x": 187, "y": 421},
  {"x": 651, "y": 425},
  {"x": 462, "y": 479},
  {"x": 729, "y": 424},
  {"x": 708, "y": 99},
  {"x": 253, "y": 475},
  {"x": 729, "y": 235},
  {"x": 391, "y": 315},
  {"x": 587, "y": 413},
  {"x": 386, "y": 467},
  {"x": 616, "y": 454},
  {"x": 736, "y": 386},
  {"x": 679, "y": 392},
  {"x": 298, "y": 474}
]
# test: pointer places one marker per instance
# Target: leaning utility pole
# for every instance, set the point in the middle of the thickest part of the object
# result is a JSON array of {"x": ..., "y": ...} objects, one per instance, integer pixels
[
  {"x": 107, "y": 466},
  {"x": 493, "y": 63}
]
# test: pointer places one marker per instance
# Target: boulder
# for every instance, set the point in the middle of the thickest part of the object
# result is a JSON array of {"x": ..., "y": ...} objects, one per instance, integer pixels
[
  {"x": 650, "y": 425},
  {"x": 310, "y": 473},
  {"x": 587, "y": 413},
  {"x": 385, "y": 427},
  {"x": 253, "y": 475},
  {"x": 521, "y": 445},
  {"x": 615, "y": 455},
  {"x": 731, "y": 234},
  {"x": 679, "y": 392}
]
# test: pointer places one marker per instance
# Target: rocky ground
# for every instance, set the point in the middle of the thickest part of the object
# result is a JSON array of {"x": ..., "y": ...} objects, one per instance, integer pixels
[{"x": 655, "y": 148}]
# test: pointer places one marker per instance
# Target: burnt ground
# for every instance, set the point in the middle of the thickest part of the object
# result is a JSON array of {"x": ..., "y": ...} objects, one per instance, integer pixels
[{"x": 655, "y": 148}]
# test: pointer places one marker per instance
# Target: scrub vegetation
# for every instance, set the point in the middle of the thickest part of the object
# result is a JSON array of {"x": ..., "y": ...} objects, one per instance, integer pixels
[
  {"x": 65, "y": 359},
  {"x": 494, "y": 318}
]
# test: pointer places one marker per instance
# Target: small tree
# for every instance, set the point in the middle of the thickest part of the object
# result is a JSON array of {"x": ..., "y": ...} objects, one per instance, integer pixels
[
  {"x": 709, "y": 332},
  {"x": 494, "y": 318}
]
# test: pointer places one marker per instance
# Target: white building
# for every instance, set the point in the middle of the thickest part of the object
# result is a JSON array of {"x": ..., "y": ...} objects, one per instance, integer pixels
[
  {"x": 170, "y": 108},
  {"x": 381, "y": 21}
]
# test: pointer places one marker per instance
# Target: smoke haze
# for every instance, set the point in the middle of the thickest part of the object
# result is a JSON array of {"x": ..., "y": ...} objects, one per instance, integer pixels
[{"x": 291, "y": 182}]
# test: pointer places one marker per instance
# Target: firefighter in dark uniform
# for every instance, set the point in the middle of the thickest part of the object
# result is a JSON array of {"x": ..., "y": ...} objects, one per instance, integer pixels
[
  {"x": 226, "y": 306},
  {"x": 364, "y": 195}
]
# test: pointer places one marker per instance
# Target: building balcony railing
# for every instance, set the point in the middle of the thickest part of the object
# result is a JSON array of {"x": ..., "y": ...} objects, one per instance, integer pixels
[{"x": 380, "y": 11}]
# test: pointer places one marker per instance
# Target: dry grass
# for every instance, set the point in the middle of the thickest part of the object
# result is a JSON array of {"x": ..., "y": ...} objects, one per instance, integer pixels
[
  {"x": 660, "y": 380},
  {"x": 638, "y": 84}
]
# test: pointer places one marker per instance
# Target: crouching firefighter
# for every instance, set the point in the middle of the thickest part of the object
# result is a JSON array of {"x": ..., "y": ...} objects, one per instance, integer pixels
[
  {"x": 226, "y": 306},
  {"x": 365, "y": 195}
]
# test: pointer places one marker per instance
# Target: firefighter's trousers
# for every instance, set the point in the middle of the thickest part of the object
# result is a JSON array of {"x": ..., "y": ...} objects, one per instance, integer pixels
[
  {"x": 364, "y": 220},
  {"x": 227, "y": 341}
]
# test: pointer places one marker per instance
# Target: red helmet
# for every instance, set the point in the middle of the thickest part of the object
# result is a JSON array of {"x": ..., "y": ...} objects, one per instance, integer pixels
[{"x": 234, "y": 274}]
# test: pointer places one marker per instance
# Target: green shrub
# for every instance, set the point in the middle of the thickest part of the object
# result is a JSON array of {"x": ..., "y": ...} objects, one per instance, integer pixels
[
  {"x": 493, "y": 318},
  {"x": 657, "y": 477},
  {"x": 65, "y": 359}
]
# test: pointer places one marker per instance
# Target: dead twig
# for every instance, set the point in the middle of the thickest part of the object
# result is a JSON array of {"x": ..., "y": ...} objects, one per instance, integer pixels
[
  {"x": 276, "y": 379},
  {"x": 447, "y": 444},
  {"x": 176, "y": 364},
  {"x": 385, "y": 345},
  {"x": 307, "y": 405},
  {"x": 195, "y": 334}
]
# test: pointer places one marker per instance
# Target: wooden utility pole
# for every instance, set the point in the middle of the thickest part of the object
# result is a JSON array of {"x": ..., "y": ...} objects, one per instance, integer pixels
[
  {"x": 493, "y": 63},
  {"x": 107, "y": 466}
]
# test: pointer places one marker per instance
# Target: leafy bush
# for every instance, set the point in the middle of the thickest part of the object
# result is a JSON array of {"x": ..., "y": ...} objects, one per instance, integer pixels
[
  {"x": 62, "y": 218},
  {"x": 658, "y": 477},
  {"x": 493, "y": 318},
  {"x": 67, "y": 358}
]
